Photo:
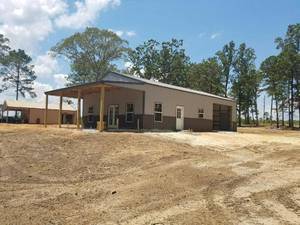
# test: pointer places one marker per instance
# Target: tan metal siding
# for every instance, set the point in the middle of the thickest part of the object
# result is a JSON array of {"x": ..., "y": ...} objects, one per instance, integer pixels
[
  {"x": 115, "y": 96},
  {"x": 52, "y": 115},
  {"x": 171, "y": 98}
]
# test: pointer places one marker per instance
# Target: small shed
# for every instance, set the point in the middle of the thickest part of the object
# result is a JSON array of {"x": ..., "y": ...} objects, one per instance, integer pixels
[{"x": 33, "y": 112}]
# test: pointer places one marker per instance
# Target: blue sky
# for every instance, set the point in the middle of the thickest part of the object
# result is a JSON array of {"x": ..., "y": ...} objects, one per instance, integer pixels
[
  {"x": 205, "y": 26},
  {"x": 255, "y": 22}
]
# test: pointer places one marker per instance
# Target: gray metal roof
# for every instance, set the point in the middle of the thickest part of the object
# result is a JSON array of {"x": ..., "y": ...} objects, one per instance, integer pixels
[
  {"x": 116, "y": 77},
  {"x": 135, "y": 79}
]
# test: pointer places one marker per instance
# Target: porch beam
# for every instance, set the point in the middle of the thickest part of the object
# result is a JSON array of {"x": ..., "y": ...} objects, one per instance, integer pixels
[
  {"x": 46, "y": 111},
  {"x": 101, "y": 109},
  {"x": 60, "y": 110},
  {"x": 78, "y": 109}
]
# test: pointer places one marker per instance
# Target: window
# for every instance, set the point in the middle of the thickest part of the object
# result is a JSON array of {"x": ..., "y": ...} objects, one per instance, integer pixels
[
  {"x": 200, "y": 113},
  {"x": 178, "y": 113},
  {"x": 158, "y": 112},
  {"x": 129, "y": 112}
]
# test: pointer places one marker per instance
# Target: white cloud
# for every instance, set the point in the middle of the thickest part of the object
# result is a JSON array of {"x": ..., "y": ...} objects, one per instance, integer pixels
[
  {"x": 45, "y": 66},
  {"x": 86, "y": 11},
  {"x": 211, "y": 36},
  {"x": 40, "y": 89},
  {"x": 8, "y": 94},
  {"x": 60, "y": 80},
  {"x": 28, "y": 21},
  {"x": 47, "y": 71},
  {"x": 130, "y": 33},
  {"x": 122, "y": 33},
  {"x": 118, "y": 32},
  {"x": 215, "y": 35}
]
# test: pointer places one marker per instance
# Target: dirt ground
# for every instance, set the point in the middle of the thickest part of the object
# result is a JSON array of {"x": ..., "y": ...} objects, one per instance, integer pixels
[{"x": 64, "y": 176}]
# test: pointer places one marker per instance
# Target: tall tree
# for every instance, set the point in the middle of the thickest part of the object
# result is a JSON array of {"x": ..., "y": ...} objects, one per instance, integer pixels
[
  {"x": 173, "y": 63},
  {"x": 226, "y": 57},
  {"x": 244, "y": 68},
  {"x": 206, "y": 76},
  {"x": 165, "y": 62},
  {"x": 255, "y": 79},
  {"x": 275, "y": 81},
  {"x": 4, "y": 48},
  {"x": 290, "y": 49},
  {"x": 18, "y": 73},
  {"x": 91, "y": 54},
  {"x": 145, "y": 60}
]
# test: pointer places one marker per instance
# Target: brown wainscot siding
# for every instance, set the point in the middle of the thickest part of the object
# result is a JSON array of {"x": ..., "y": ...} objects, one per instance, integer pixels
[
  {"x": 168, "y": 123},
  {"x": 198, "y": 124},
  {"x": 122, "y": 123},
  {"x": 130, "y": 125}
]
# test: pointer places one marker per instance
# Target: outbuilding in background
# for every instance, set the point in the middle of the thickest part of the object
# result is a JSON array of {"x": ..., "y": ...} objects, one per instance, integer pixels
[{"x": 33, "y": 113}]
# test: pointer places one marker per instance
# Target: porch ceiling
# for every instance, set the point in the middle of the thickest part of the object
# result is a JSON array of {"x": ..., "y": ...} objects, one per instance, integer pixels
[{"x": 84, "y": 89}]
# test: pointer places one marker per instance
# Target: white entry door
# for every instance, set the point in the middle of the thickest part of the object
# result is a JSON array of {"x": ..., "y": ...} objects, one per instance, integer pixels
[
  {"x": 179, "y": 117},
  {"x": 113, "y": 112}
]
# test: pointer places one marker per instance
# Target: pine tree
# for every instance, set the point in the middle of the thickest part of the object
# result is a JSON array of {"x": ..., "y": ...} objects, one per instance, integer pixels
[{"x": 18, "y": 73}]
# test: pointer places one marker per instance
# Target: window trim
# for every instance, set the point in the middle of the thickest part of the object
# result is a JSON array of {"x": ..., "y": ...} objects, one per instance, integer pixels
[
  {"x": 133, "y": 112},
  {"x": 158, "y": 121},
  {"x": 201, "y": 113}
]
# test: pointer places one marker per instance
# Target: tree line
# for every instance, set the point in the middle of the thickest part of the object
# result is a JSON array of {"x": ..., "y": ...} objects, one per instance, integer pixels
[{"x": 230, "y": 72}]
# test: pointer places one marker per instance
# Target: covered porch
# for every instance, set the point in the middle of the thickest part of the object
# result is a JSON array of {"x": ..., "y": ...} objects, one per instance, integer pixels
[{"x": 102, "y": 106}]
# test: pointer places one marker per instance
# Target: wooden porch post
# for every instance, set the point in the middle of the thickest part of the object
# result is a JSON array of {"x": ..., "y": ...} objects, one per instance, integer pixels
[
  {"x": 7, "y": 115},
  {"x": 46, "y": 112},
  {"x": 101, "y": 109},
  {"x": 78, "y": 110},
  {"x": 59, "y": 111}
]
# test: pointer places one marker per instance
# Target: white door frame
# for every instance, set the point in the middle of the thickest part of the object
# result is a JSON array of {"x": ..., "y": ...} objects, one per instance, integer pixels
[
  {"x": 179, "y": 117},
  {"x": 114, "y": 119}
]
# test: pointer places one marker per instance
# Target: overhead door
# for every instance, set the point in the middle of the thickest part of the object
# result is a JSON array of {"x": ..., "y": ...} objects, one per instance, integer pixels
[{"x": 221, "y": 117}]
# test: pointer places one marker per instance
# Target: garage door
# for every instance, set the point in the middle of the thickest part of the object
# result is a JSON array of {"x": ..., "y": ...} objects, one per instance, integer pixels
[{"x": 221, "y": 117}]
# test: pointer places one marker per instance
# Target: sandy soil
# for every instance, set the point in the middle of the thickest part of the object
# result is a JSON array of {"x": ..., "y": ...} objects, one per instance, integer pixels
[{"x": 64, "y": 176}]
